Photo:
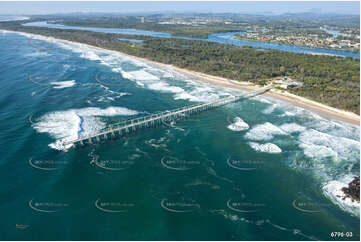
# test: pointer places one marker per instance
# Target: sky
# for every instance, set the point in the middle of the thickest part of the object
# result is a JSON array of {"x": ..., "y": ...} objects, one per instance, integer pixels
[{"x": 45, "y": 7}]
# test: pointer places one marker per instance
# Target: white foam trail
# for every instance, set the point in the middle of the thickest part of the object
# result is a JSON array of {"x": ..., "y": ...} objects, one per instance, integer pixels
[
  {"x": 63, "y": 84},
  {"x": 264, "y": 131},
  {"x": 333, "y": 191},
  {"x": 267, "y": 148},
  {"x": 71, "y": 124},
  {"x": 140, "y": 75},
  {"x": 90, "y": 55},
  {"x": 163, "y": 86},
  {"x": 238, "y": 125}
]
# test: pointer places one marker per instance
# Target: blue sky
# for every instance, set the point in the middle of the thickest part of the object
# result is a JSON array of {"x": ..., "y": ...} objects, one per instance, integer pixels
[{"x": 24, "y": 8}]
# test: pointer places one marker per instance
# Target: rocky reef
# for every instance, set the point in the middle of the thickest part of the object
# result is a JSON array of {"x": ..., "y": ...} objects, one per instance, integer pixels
[{"x": 353, "y": 189}]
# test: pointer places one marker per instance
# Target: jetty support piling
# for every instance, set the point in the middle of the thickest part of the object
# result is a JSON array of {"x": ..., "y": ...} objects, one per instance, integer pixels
[{"x": 153, "y": 120}]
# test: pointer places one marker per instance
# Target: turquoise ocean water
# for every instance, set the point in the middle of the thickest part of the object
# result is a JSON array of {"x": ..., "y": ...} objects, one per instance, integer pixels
[{"x": 259, "y": 169}]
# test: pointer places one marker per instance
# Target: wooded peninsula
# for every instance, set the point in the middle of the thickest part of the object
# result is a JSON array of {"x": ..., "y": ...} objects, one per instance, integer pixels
[{"x": 331, "y": 80}]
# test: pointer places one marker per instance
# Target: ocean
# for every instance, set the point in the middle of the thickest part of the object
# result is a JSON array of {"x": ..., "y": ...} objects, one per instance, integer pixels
[{"x": 259, "y": 169}]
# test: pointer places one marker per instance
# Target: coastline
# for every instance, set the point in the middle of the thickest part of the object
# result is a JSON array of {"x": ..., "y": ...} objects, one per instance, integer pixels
[
  {"x": 307, "y": 46},
  {"x": 321, "y": 109}
]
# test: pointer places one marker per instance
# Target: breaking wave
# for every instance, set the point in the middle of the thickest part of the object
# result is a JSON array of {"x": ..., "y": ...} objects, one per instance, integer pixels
[
  {"x": 238, "y": 125},
  {"x": 267, "y": 148},
  {"x": 74, "y": 123}
]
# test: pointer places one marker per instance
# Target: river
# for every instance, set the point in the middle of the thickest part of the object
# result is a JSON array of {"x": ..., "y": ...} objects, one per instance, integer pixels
[{"x": 219, "y": 38}]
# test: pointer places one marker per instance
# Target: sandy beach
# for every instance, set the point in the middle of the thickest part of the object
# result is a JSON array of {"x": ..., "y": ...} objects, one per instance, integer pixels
[{"x": 320, "y": 109}]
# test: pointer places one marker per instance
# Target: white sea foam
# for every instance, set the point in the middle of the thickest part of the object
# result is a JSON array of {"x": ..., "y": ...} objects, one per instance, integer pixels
[
  {"x": 111, "y": 95},
  {"x": 333, "y": 191},
  {"x": 63, "y": 84},
  {"x": 90, "y": 55},
  {"x": 264, "y": 131},
  {"x": 70, "y": 124},
  {"x": 267, "y": 148},
  {"x": 147, "y": 76},
  {"x": 292, "y": 128},
  {"x": 195, "y": 96},
  {"x": 238, "y": 125},
  {"x": 270, "y": 109},
  {"x": 140, "y": 75},
  {"x": 318, "y": 144},
  {"x": 289, "y": 113},
  {"x": 163, "y": 86}
]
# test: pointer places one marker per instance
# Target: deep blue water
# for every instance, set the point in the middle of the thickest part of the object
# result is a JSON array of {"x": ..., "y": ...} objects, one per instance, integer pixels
[
  {"x": 259, "y": 169},
  {"x": 219, "y": 38}
]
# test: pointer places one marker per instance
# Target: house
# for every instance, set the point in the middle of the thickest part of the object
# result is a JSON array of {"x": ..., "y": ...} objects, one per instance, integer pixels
[{"x": 287, "y": 83}]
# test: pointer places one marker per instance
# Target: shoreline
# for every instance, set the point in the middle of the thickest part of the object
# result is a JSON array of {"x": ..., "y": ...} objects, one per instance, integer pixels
[
  {"x": 306, "y": 46},
  {"x": 298, "y": 101}
]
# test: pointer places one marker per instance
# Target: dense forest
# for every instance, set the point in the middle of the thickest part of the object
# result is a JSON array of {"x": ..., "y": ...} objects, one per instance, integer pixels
[
  {"x": 134, "y": 23},
  {"x": 331, "y": 80}
]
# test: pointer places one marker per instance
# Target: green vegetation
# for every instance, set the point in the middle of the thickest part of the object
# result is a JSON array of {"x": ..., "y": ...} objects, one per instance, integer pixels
[
  {"x": 331, "y": 80},
  {"x": 135, "y": 23}
]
